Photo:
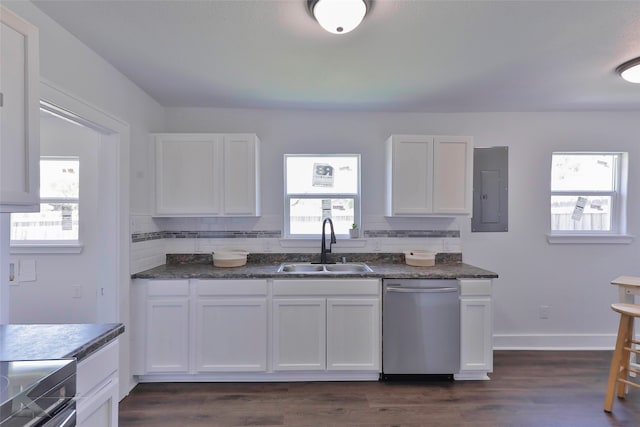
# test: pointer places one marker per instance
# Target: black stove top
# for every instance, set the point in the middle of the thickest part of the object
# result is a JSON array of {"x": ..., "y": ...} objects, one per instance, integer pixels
[{"x": 33, "y": 390}]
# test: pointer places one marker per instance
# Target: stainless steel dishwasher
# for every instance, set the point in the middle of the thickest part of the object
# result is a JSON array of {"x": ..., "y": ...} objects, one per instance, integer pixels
[{"x": 420, "y": 329}]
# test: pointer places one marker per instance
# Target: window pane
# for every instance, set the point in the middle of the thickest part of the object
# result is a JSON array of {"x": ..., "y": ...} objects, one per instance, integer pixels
[
  {"x": 596, "y": 215},
  {"x": 59, "y": 178},
  {"x": 307, "y": 215},
  {"x": 322, "y": 175},
  {"x": 583, "y": 172},
  {"x": 55, "y": 221}
]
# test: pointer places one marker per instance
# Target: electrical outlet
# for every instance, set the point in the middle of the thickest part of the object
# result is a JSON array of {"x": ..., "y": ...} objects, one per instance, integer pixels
[
  {"x": 77, "y": 291},
  {"x": 545, "y": 311}
]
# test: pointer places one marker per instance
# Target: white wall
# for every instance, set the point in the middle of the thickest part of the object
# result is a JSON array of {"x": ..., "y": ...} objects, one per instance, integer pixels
[
  {"x": 572, "y": 279},
  {"x": 50, "y": 297}
]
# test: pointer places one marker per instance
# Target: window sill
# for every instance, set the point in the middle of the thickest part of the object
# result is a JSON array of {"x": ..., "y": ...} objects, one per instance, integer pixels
[
  {"x": 598, "y": 239},
  {"x": 46, "y": 248}
]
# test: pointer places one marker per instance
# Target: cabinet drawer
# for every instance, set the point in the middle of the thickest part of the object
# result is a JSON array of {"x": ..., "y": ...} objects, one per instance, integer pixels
[
  {"x": 323, "y": 287},
  {"x": 475, "y": 287},
  {"x": 165, "y": 288},
  {"x": 96, "y": 368},
  {"x": 231, "y": 287}
]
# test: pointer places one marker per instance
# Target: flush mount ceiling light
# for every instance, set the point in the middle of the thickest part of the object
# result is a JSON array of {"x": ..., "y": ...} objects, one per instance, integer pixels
[
  {"x": 630, "y": 70},
  {"x": 338, "y": 16}
]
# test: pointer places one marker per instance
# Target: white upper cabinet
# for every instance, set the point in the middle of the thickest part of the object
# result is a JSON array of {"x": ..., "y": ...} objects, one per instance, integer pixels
[
  {"x": 452, "y": 174},
  {"x": 429, "y": 175},
  {"x": 207, "y": 175},
  {"x": 19, "y": 115},
  {"x": 240, "y": 175}
]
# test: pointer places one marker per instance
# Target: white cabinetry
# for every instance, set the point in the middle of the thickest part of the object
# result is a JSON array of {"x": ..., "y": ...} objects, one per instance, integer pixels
[
  {"x": 231, "y": 326},
  {"x": 476, "y": 329},
  {"x": 331, "y": 325},
  {"x": 256, "y": 330},
  {"x": 353, "y": 333},
  {"x": 167, "y": 326},
  {"x": 429, "y": 175},
  {"x": 299, "y": 334},
  {"x": 207, "y": 175},
  {"x": 97, "y": 388},
  {"x": 19, "y": 114},
  {"x": 188, "y": 327}
]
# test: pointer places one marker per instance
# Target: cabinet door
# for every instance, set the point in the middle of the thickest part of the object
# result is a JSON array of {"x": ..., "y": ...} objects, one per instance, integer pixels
[
  {"x": 410, "y": 174},
  {"x": 452, "y": 174},
  {"x": 476, "y": 343},
  {"x": 19, "y": 115},
  {"x": 101, "y": 408},
  {"x": 188, "y": 174},
  {"x": 240, "y": 174},
  {"x": 97, "y": 387},
  {"x": 299, "y": 334},
  {"x": 476, "y": 329},
  {"x": 167, "y": 340},
  {"x": 353, "y": 334},
  {"x": 231, "y": 334}
]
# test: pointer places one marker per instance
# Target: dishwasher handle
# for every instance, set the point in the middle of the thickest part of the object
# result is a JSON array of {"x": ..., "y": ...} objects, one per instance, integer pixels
[{"x": 419, "y": 290}]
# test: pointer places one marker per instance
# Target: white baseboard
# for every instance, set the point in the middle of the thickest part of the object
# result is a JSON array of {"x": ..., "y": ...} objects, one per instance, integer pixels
[{"x": 554, "y": 341}]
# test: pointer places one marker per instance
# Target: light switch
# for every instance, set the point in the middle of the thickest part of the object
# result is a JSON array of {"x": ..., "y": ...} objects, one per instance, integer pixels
[
  {"x": 12, "y": 274},
  {"x": 27, "y": 270}
]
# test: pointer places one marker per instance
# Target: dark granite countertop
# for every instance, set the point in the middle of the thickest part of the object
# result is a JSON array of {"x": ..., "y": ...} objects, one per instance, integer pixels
[
  {"x": 260, "y": 266},
  {"x": 53, "y": 341}
]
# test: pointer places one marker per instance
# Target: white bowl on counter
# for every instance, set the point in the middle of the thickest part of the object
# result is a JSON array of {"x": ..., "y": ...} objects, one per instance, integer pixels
[
  {"x": 419, "y": 258},
  {"x": 230, "y": 258}
]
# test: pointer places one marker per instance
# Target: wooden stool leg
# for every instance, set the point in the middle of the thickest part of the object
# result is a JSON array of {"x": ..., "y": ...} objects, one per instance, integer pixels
[
  {"x": 623, "y": 371},
  {"x": 616, "y": 361}
]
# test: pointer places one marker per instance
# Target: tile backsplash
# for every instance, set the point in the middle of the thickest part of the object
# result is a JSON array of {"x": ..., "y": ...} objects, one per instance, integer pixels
[{"x": 153, "y": 238}]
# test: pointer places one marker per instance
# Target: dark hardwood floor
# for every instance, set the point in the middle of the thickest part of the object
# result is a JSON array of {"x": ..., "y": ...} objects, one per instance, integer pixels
[{"x": 527, "y": 388}]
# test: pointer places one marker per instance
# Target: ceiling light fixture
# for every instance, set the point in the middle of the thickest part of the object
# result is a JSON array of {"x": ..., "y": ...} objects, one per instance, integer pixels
[
  {"x": 630, "y": 70},
  {"x": 338, "y": 16}
]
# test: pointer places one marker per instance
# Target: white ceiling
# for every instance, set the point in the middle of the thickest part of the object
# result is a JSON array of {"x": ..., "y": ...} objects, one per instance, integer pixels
[{"x": 407, "y": 55}]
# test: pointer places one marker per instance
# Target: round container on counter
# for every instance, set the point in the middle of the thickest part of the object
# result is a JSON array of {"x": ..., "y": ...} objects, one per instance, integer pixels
[
  {"x": 419, "y": 258},
  {"x": 230, "y": 257}
]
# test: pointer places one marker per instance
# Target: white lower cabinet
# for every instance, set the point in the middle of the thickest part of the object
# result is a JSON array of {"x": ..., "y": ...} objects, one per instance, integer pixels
[
  {"x": 353, "y": 334},
  {"x": 299, "y": 334},
  {"x": 256, "y": 330},
  {"x": 476, "y": 329},
  {"x": 191, "y": 327},
  {"x": 167, "y": 325},
  {"x": 231, "y": 326},
  {"x": 326, "y": 325},
  {"x": 97, "y": 388}
]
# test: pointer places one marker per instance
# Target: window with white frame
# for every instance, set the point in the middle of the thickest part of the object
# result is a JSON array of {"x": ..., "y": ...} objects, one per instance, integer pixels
[
  {"x": 58, "y": 219},
  {"x": 319, "y": 186},
  {"x": 587, "y": 196}
]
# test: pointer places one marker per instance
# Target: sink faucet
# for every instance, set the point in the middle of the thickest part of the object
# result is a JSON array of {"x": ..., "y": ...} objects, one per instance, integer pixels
[{"x": 323, "y": 248}]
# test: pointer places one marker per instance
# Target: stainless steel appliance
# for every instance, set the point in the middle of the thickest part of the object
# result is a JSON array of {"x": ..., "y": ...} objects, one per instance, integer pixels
[
  {"x": 38, "y": 393},
  {"x": 420, "y": 329}
]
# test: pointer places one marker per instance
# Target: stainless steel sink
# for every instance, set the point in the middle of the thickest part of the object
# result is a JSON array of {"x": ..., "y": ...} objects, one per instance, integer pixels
[
  {"x": 301, "y": 268},
  {"x": 347, "y": 268},
  {"x": 308, "y": 268}
]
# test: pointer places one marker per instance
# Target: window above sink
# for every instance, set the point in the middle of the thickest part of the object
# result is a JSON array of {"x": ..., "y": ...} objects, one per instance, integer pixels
[{"x": 318, "y": 186}]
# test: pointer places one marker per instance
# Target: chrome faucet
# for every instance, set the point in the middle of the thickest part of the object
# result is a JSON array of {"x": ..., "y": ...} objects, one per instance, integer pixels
[{"x": 323, "y": 248}]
